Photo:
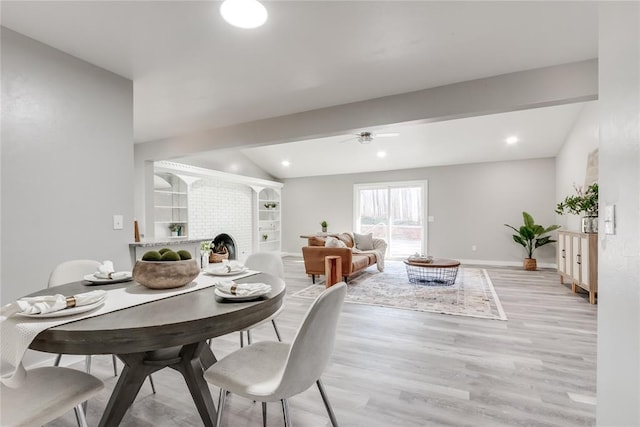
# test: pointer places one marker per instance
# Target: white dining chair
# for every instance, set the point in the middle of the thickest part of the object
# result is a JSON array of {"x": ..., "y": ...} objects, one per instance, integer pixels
[
  {"x": 73, "y": 271},
  {"x": 269, "y": 263},
  {"x": 45, "y": 394},
  {"x": 270, "y": 371}
]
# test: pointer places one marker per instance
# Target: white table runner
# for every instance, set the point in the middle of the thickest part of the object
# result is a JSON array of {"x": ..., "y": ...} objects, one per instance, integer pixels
[{"x": 17, "y": 332}]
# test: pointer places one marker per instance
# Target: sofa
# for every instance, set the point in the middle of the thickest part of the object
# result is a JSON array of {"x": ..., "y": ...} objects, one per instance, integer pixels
[{"x": 357, "y": 252}]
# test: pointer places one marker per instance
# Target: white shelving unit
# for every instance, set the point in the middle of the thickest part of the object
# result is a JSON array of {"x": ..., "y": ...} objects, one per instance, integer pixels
[
  {"x": 170, "y": 199},
  {"x": 269, "y": 232}
]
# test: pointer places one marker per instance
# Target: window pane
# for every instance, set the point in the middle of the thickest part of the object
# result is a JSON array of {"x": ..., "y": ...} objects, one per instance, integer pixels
[
  {"x": 406, "y": 221},
  {"x": 393, "y": 212},
  {"x": 374, "y": 214}
]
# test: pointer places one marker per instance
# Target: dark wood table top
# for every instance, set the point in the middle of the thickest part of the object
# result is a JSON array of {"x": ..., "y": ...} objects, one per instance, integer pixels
[{"x": 183, "y": 319}]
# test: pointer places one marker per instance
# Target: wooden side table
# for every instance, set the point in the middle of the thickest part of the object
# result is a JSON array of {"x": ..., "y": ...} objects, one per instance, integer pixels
[{"x": 332, "y": 270}]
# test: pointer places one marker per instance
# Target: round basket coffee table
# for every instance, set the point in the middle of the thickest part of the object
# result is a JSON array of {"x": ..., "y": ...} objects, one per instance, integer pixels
[{"x": 438, "y": 272}]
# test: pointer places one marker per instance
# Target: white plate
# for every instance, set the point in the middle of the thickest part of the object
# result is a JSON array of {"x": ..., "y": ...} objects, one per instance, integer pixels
[
  {"x": 225, "y": 295},
  {"x": 97, "y": 280},
  {"x": 219, "y": 272},
  {"x": 67, "y": 311}
]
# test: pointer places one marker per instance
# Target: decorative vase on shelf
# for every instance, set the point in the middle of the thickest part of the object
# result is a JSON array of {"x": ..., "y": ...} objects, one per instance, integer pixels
[{"x": 590, "y": 224}]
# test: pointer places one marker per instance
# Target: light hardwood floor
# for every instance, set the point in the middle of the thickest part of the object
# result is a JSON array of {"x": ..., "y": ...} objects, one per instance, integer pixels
[{"x": 393, "y": 367}]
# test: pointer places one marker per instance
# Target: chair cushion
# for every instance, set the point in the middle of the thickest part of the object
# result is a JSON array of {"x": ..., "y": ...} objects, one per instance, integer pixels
[
  {"x": 360, "y": 261},
  {"x": 253, "y": 372},
  {"x": 46, "y": 394}
]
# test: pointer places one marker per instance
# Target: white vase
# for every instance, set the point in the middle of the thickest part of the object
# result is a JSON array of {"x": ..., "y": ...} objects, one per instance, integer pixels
[{"x": 204, "y": 260}]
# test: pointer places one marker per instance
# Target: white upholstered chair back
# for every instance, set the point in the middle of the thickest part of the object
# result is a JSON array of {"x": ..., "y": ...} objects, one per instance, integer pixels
[
  {"x": 313, "y": 343},
  {"x": 72, "y": 271},
  {"x": 266, "y": 262}
]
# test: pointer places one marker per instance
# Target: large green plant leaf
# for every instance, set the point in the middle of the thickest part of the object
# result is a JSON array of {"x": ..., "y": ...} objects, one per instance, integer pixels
[
  {"x": 527, "y": 232},
  {"x": 528, "y": 220},
  {"x": 519, "y": 240}
]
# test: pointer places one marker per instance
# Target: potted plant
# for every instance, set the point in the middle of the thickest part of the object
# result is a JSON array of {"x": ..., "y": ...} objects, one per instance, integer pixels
[
  {"x": 323, "y": 224},
  {"x": 175, "y": 229},
  {"x": 531, "y": 236},
  {"x": 584, "y": 203}
]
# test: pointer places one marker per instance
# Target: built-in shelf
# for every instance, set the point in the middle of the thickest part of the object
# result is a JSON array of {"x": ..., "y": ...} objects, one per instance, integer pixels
[
  {"x": 170, "y": 205},
  {"x": 268, "y": 219}
]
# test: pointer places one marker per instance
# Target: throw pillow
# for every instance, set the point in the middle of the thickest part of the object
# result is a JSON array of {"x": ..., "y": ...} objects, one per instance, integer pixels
[
  {"x": 364, "y": 242},
  {"x": 332, "y": 242}
]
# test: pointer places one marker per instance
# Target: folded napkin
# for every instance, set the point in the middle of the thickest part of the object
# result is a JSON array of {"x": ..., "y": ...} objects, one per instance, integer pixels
[
  {"x": 230, "y": 267},
  {"x": 106, "y": 271},
  {"x": 243, "y": 289},
  {"x": 49, "y": 303}
]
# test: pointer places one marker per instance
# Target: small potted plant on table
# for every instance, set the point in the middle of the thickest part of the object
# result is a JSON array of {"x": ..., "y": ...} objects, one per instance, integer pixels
[
  {"x": 584, "y": 203},
  {"x": 323, "y": 224}
]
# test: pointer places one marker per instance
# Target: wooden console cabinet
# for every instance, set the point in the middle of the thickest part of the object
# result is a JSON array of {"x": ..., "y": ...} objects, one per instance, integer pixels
[{"x": 578, "y": 261}]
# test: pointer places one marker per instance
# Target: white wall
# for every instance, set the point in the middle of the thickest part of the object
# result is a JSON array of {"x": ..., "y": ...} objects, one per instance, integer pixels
[
  {"x": 470, "y": 205},
  {"x": 619, "y": 254},
  {"x": 67, "y": 163},
  {"x": 571, "y": 161}
]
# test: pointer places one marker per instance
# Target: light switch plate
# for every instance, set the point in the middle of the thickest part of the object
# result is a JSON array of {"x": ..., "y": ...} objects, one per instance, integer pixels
[
  {"x": 610, "y": 219},
  {"x": 117, "y": 222}
]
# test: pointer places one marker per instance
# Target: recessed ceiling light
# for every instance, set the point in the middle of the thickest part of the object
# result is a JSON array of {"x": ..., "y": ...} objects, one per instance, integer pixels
[
  {"x": 382, "y": 154},
  {"x": 244, "y": 13},
  {"x": 512, "y": 140},
  {"x": 285, "y": 163}
]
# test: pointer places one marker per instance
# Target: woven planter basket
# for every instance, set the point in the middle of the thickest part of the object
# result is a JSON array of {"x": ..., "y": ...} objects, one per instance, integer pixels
[
  {"x": 219, "y": 257},
  {"x": 530, "y": 264}
]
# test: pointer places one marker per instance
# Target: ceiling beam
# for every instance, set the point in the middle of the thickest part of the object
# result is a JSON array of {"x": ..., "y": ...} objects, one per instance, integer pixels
[{"x": 542, "y": 87}]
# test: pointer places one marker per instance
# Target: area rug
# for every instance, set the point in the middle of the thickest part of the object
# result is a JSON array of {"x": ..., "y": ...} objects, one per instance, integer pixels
[{"x": 472, "y": 294}]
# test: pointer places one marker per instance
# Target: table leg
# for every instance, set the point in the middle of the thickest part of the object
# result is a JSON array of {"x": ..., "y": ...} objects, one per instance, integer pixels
[
  {"x": 191, "y": 368},
  {"x": 133, "y": 375},
  {"x": 190, "y": 361}
]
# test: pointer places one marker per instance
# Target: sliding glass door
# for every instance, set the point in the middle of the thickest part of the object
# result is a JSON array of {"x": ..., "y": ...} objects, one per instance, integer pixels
[{"x": 393, "y": 211}]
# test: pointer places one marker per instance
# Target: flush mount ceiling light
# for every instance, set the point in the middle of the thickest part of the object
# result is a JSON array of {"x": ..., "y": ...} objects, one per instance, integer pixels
[
  {"x": 244, "y": 13},
  {"x": 382, "y": 154},
  {"x": 285, "y": 163},
  {"x": 512, "y": 140}
]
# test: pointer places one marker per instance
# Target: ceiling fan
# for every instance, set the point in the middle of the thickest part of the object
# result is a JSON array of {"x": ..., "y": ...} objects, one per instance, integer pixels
[{"x": 366, "y": 137}]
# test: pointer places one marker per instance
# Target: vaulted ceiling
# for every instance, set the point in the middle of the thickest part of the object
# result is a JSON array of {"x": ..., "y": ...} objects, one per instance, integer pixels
[{"x": 191, "y": 71}]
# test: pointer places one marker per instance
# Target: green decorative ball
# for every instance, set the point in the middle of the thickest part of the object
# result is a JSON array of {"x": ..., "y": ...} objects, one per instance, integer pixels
[
  {"x": 163, "y": 250},
  {"x": 170, "y": 256},
  {"x": 184, "y": 254},
  {"x": 152, "y": 256}
]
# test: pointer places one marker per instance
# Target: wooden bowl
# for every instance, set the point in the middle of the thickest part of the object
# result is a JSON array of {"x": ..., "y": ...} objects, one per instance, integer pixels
[{"x": 165, "y": 274}]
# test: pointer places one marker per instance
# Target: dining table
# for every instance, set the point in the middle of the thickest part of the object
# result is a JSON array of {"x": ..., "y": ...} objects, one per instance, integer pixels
[{"x": 171, "y": 332}]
